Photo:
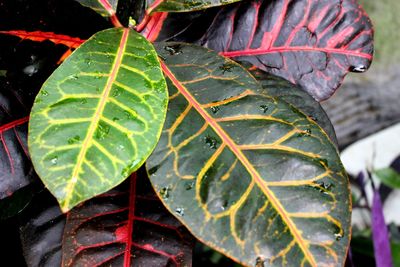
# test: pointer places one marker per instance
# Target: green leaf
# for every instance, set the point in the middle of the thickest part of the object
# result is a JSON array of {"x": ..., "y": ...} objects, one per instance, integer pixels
[
  {"x": 183, "y": 5},
  {"x": 98, "y": 117},
  {"x": 396, "y": 253},
  {"x": 106, "y": 8},
  {"x": 248, "y": 174},
  {"x": 290, "y": 93},
  {"x": 389, "y": 177}
]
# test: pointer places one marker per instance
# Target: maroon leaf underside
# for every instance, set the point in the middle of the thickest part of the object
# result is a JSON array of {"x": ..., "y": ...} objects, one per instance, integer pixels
[
  {"x": 128, "y": 226},
  {"x": 308, "y": 42},
  {"x": 16, "y": 170},
  {"x": 41, "y": 235}
]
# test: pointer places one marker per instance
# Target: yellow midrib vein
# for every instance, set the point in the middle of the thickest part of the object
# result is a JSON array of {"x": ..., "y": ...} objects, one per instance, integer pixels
[
  {"x": 93, "y": 125},
  {"x": 234, "y": 148}
]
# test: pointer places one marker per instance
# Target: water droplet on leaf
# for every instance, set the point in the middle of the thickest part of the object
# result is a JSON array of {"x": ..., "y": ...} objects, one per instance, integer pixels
[
  {"x": 307, "y": 132},
  {"x": 264, "y": 108},
  {"x": 180, "y": 211},
  {"x": 215, "y": 109},
  {"x": 164, "y": 192},
  {"x": 129, "y": 115},
  {"x": 189, "y": 185},
  {"x": 338, "y": 236},
  {"x": 54, "y": 160},
  {"x": 360, "y": 68},
  {"x": 116, "y": 93},
  {"x": 74, "y": 139},
  {"x": 173, "y": 49},
  {"x": 102, "y": 131},
  {"x": 211, "y": 142},
  {"x": 44, "y": 93},
  {"x": 259, "y": 262}
]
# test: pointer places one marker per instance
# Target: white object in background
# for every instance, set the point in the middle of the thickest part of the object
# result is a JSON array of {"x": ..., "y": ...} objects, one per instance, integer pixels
[{"x": 376, "y": 151}]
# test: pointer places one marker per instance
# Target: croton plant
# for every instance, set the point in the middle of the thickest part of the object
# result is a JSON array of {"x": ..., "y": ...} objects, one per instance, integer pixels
[{"x": 216, "y": 104}]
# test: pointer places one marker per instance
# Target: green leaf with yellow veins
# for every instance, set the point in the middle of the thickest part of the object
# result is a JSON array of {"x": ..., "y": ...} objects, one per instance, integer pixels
[
  {"x": 98, "y": 116},
  {"x": 183, "y": 5},
  {"x": 106, "y": 8},
  {"x": 248, "y": 174}
]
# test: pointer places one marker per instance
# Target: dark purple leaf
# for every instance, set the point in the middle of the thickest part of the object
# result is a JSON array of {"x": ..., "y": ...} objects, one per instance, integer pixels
[
  {"x": 380, "y": 234},
  {"x": 16, "y": 170},
  {"x": 128, "y": 226},
  {"x": 308, "y": 42},
  {"x": 41, "y": 233},
  {"x": 25, "y": 66}
]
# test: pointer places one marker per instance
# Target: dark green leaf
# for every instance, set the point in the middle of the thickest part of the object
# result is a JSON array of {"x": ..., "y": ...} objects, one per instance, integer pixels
[
  {"x": 184, "y": 5},
  {"x": 248, "y": 174},
  {"x": 106, "y": 8},
  {"x": 98, "y": 117},
  {"x": 284, "y": 90}
]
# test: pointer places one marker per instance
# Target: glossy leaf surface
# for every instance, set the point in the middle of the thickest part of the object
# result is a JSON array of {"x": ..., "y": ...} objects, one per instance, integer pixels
[
  {"x": 98, "y": 116},
  {"x": 184, "y": 5},
  {"x": 106, "y": 8},
  {"x": 41, "y": 236},
  {"x": 294, "y": 95},
  {"x": 311, "y": 43},
  {"x": 127, "y": 226},
  {"x": 39, "y": 36},
  {"x": 16, "y": 170},
  {"x": 248, "y": 174}
]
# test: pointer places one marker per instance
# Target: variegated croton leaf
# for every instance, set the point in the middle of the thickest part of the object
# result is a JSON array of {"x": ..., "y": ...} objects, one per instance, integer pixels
[
  {"x": 247, "y": 173},
  {"x": 127, "y": 226},
  {"x": 311, "y": 43}
]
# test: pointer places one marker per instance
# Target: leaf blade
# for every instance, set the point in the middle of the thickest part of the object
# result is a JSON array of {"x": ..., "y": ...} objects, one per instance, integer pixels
[
  {"x": 16, "y": 170},
  {"x": 294, "y": 95},
  {"x": 389, "y": 177},
  {"x": 184, "y": 5},
  {"x": 106, "y": 8},
  {"x": 141, "y": 230},
  {"x": 106, "y": 117},
  {"x": 39, "y": 36},
  {"x": 310, "y": 43},
  {"x": 217, "y": 180}
]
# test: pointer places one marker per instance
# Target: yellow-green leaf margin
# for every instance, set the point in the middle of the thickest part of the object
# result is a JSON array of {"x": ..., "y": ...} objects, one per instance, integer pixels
[{"x": 98, "y": 116}]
